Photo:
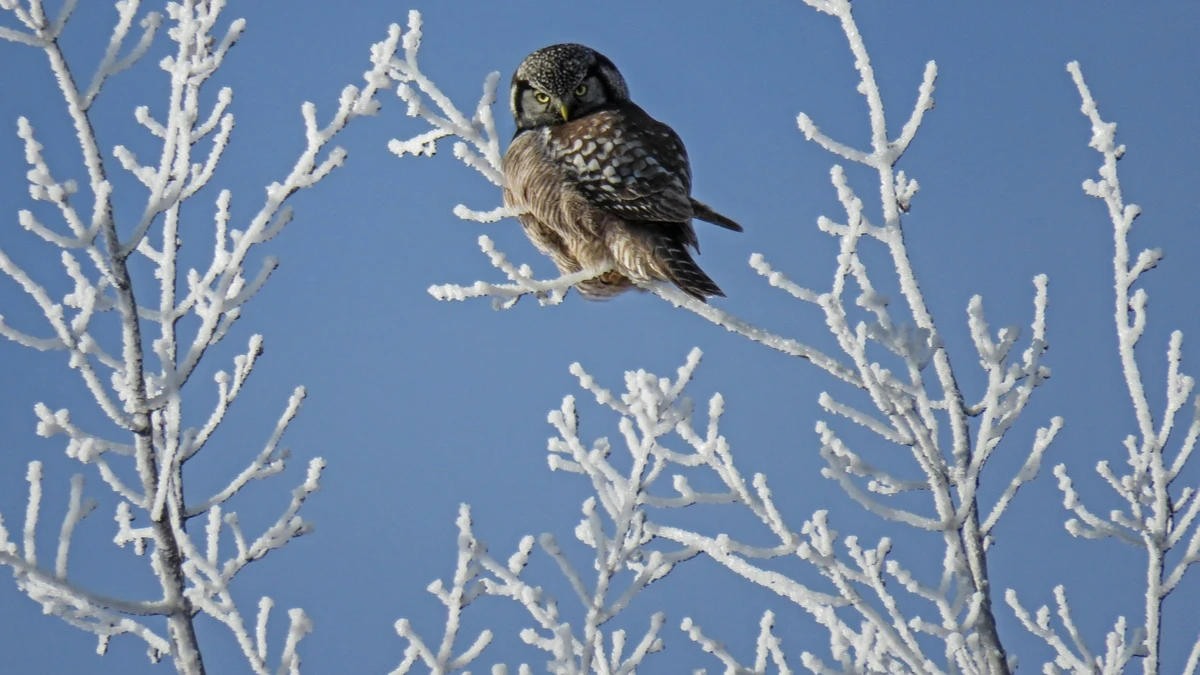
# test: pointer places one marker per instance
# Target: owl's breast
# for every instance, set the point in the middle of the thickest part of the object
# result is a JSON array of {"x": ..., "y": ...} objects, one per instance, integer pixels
[
  {"x": 541, "y": 183},
  {"x": 533, "y": 180}
]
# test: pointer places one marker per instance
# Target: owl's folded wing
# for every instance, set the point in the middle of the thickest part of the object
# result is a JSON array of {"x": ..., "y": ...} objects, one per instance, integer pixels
[{"x": 628, "y": 164}]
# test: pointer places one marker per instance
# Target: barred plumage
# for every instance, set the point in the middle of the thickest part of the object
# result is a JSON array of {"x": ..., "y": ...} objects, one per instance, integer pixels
[{"x": 597, "y": 181}]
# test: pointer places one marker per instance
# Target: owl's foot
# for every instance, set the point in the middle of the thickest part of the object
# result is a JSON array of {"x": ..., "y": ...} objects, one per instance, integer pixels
[{"x": 604, "y": 286}]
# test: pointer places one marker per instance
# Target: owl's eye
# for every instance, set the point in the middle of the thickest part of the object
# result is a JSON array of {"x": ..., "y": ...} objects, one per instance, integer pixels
[
  {"x": 581, "y": 90},
  {"x": 541, "y": 97}
]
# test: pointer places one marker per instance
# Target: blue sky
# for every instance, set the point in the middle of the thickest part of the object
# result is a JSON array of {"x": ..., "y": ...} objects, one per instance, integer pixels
[{"x": 419, "y": 405}]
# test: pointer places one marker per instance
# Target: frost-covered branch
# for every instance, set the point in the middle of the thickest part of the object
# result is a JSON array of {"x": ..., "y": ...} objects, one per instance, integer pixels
[
  {"x": 886, "y": 355},
  {"x": 1075, "y": 657},
  {"x": 140, "y": 386},
  {"x": 626, "y": 524},
  {"x": 592, "y": 649},
  {"x": 1157, "y": 516},
  {"x": 102, "y": 615},
  {"x": 629, "y": 552},
  {"x": 767, "y": 648},
  {"x": 478, "y": 145},
  {"x": 883, "y": 639},
  {"x": 504, "y": 296}
]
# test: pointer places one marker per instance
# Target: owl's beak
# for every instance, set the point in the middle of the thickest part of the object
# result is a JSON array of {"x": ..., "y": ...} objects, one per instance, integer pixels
[{"x": 562, "y": 108}]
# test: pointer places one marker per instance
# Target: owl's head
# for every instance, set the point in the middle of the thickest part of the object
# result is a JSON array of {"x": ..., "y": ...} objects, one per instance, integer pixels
[{"x": 563, "y": 82}]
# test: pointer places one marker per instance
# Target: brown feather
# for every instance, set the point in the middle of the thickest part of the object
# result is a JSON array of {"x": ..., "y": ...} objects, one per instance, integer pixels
[
  {"x": 610, "y": 189},
  {"x": 707, "y": 214}
]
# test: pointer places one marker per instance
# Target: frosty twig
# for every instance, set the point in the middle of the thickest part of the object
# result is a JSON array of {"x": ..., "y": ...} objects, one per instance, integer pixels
[
  {"x": 141, "y": 390},
  {"x": 1157, "y": 516}
]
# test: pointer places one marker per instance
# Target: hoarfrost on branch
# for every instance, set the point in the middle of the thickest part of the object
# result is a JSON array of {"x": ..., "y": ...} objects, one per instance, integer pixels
[
  {"x": 141, "y": 391},
  {"x": 1158, "y": 517}
]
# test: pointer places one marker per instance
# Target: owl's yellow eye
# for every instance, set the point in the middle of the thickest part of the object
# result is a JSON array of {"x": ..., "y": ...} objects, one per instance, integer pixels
[
  {"x": 542, "y": 98},
  {"x": 581, "y": 90}
]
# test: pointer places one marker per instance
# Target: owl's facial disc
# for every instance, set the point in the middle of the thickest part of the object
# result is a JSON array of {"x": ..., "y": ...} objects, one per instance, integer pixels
[
  {"x": 550, "y": 102},
  {"x": 587, "y": 96}
]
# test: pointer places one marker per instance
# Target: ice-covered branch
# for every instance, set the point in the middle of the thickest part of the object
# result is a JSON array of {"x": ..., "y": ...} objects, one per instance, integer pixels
[
  {"x": 102, "y": 615},
  {"x": 211, "y": 576},
  {"x": 504, "y": 296},
  {"x": 478, "y": 145},
  {"x": 465, "y": 588},
  {"x": 110, "y": 65},
  {"x": 478, "y": 574},
  {"x": 651, "y": 408},
  {"x": 627, "y": 546},
  {"x": 1044, "y": 437},
  {"x": 552, "y": 292},
  {"x": 1074, "y": 656},
  {"x": 767, "y": 648},
  {"x": 141, "y": 388},
  {"x": 1153, "y": 518},
  {"x": 269, "y": 461},
  {"x": 733, "y": 324}
]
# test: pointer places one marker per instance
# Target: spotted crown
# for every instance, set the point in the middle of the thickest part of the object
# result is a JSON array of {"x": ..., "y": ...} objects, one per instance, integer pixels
[{"x": 558, "y": 68}]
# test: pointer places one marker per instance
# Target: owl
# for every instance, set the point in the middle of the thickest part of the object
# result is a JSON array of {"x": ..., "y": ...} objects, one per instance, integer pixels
[{"x": 599, "y": 183}]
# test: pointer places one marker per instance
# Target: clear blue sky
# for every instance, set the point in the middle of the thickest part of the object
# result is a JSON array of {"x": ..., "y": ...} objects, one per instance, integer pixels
[{"x": 419, "y": 405}]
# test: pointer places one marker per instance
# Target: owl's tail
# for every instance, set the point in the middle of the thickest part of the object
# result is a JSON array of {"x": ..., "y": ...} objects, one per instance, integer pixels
[
  {"x": 682, "y": 270},
  {"x": 707, "y": 214}
]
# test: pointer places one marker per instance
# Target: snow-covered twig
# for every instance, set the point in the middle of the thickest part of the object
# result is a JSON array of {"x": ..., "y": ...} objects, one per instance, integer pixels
[
  {"x": 504, "y": 296},
  {"x": 615, "y": 526},
  {"x": 767, "y": 648},
  {"x": 1076, "y": 657},
  {"x": 653, "y": 407},
  {"x": 478, "y": 146},
  {"x": 140, "y": 389},
  {"x": 1153, "y": 518},
  {"x": 595, "y": 650}
]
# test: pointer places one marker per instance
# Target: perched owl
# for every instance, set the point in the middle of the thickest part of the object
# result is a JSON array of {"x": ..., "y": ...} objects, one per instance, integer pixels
[{"x": 597, "y": 181}]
